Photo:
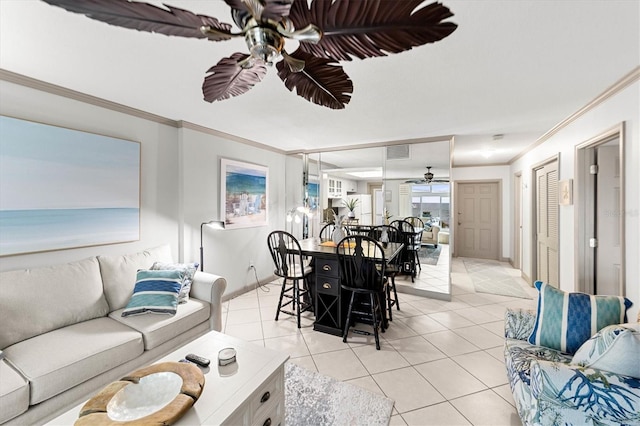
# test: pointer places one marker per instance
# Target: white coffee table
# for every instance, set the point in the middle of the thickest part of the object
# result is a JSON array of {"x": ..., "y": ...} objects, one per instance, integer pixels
[{"x": 248, "y": 392}]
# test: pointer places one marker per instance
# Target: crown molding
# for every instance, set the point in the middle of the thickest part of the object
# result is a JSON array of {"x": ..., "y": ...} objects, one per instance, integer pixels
[
  {"x": 618, "y": 86},
  {"x": 228, "y": 136},
  {"x": 53, "y": 89}
]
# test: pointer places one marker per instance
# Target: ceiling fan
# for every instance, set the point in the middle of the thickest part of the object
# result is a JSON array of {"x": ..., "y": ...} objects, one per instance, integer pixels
[
  {"x": 328, "y": 31},
  {"x": 428, "y": 178}
]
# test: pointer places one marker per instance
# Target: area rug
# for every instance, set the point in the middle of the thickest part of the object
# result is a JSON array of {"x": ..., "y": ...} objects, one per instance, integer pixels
[
  {"x": 315, "y": 399},
  {"x": 429, "y": 255},
  {"x": 489, "y": 276}
]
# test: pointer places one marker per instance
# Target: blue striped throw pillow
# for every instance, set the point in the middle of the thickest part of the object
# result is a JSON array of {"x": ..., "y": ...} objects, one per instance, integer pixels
[
  {"x": 156, "y": 292},
  {"x": 564, "y": 321}
]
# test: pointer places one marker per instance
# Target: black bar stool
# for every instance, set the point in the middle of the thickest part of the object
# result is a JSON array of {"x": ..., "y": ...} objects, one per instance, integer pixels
[{"x": 290, "y": 265}]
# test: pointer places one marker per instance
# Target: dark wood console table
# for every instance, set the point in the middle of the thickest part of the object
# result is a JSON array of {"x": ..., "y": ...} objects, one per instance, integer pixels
[{"x": 330, "y": 305}]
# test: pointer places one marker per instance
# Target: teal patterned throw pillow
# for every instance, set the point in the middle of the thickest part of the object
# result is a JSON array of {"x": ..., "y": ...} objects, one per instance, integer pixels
[
  {"x": 564, "y": 321},
  {"x": 156, "y": 292}
]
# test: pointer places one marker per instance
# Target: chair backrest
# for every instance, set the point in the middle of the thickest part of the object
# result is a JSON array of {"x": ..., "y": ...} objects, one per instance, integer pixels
[
  {"x": 407, "y": 233},
  {"x": 392, "y": 233},
  {"x": 415, "y": 221},
  {"x": 361, "y": 263},
  {"x": 326, "y": 233},
  {"x": 287, "y": 254},
  {"x": 418, "y": 227}
]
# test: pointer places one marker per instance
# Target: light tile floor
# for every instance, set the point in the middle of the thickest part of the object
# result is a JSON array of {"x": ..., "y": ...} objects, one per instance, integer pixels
[{"x": 441, "y": 362}]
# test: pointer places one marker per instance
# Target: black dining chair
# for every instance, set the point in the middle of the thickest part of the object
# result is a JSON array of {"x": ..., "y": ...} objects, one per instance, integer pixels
[
  {"x": 418, "y": 227},
  {"x": 290, "y": 264},
  {"x": 389, "y": 234},
  {"x": 361, "y": 263},
  {"x": 406, "y": 234}
]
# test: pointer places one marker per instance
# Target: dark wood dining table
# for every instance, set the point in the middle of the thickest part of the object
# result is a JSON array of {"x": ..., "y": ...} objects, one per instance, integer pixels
[{"x": 330, "y": 305}]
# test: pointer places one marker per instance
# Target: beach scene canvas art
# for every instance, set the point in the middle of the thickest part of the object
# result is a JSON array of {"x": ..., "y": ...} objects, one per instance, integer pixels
[
  {"x": 63, "y": 188},
  {"x": 244, "y": 193}
]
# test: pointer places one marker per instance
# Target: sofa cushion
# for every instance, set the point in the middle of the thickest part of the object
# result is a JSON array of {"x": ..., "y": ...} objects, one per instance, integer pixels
[
  {"x": 61, "y": 359},
  {"x": 615, "y": 348},
  {"x": 35, "y": 301},
  {"x": 564, "y": 321},
  {"x": 14, "y": 393},
  {"x": 155, "y": 292},
  {"x": 189, "y": 270},
  {"x": 119, "y": 273},
  {"x": 157, "y": 329}
]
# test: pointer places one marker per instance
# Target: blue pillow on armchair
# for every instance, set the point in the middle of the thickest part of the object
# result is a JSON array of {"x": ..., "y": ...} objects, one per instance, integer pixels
[{"x": 564, "y": 321}]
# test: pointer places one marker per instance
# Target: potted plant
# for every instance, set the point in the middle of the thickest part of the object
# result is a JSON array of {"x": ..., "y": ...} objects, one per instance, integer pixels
[{"x": 351, "y": 204}]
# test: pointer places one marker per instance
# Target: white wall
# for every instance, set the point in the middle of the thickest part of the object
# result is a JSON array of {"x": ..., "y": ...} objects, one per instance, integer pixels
[
  {"x": 622, "y": 107},
  {"x": 180, "y": 174},
  {"x": 159, "y": 172},
  {"x": 227, "y": 252},
  {"x": 495, "y": 173}
]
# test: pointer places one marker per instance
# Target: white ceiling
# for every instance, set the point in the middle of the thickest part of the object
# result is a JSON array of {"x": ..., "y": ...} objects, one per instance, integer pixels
[{"x": 515, "y": 68}]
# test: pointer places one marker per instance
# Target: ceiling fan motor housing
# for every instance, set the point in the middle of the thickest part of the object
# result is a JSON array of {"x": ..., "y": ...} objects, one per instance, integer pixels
[{"x": 264, "y": 44}]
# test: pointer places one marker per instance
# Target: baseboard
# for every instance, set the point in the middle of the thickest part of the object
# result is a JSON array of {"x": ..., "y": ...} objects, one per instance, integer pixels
[
  {"x": 526, "y": 278},
  {"x": 247, "y": 288}
]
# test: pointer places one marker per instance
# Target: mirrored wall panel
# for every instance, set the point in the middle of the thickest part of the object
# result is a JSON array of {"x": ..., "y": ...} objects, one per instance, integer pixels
[{"x": 373, "y": 186}]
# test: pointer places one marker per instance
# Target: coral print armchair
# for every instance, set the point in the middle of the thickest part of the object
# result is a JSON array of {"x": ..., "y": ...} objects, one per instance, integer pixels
[{"x": 574, "y": 361}]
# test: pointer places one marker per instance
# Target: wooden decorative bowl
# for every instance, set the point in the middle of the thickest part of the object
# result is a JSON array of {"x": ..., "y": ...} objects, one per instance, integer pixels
[{"x": 94, "y": 412}]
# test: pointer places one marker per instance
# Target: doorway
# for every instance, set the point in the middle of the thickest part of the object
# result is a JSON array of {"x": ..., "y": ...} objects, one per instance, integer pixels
[
  {"x": 545, "y": 263},
  {"x": 517, "y": 222},
  {"x": 599, "y": 214},
  {"x": 478, "y": 219}
]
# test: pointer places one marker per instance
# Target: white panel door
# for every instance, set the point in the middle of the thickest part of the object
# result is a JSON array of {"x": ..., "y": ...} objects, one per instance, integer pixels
[
  {"x": 478, "y": 220},
  {"x": 547, "y": 224}
]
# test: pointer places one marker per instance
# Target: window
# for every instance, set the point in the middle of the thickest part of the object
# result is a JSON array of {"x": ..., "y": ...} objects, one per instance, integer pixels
[{"x": 431, "y": 203}]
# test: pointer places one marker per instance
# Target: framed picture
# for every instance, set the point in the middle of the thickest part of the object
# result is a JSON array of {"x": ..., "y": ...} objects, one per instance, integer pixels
[
  {"x": 243, "y": 194},
  {"x": 565, "y": 192},
  {"x": 63, "y": 188}
]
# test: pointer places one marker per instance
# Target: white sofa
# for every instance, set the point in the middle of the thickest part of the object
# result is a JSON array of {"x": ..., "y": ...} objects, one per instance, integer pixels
[{"x": 63, "y": 337}]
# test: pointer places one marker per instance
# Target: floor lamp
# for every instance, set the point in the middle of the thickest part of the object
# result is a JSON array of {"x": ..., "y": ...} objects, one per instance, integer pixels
[{"x": 215, "y": 224}]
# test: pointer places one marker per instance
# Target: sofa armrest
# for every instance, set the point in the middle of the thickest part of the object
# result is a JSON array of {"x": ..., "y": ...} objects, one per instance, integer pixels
[
  {"x": 518, "y": 323},
  {"x": 606, "y": 397},
  {"x": 210, "y": 287}
]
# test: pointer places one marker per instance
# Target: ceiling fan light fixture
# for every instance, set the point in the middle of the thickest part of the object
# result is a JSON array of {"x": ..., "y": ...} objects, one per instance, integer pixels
[
  {"x": 428, "y": 176},
  {"x": 264, "y": 44}
]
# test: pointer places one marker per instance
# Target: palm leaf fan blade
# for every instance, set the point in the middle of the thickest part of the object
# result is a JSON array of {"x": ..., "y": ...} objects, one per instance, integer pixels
[
  {"x": 353, "y": 28},
  {"x": 322, "y": 81},
  {"x": 140, "y": 16},
  {"x": 228, "y": 78}
]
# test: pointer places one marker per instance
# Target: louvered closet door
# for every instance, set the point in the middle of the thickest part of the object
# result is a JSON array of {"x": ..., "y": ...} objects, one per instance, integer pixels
[{"x": 547, "y": 223}]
